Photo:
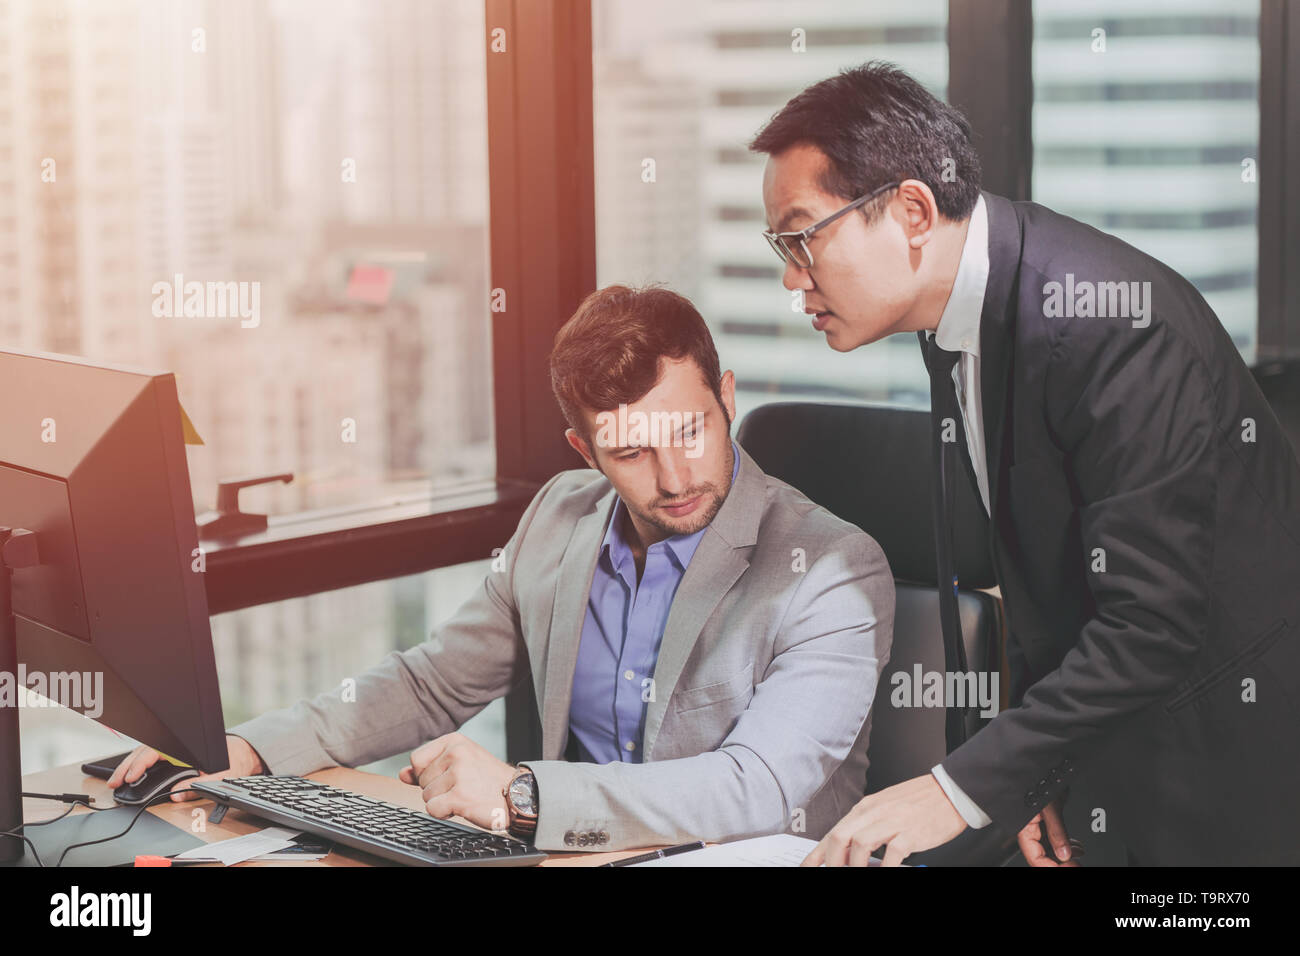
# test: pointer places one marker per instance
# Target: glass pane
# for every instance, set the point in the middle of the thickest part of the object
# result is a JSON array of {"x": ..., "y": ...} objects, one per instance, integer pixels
[
  {"x": 271, "y": 656},
  {"x": 311, "y": 175},
  {"x": 687, "y": 84},
  {"x": 1146, "y": 125}
]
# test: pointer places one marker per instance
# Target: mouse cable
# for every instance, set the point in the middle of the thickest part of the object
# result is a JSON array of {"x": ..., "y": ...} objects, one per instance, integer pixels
[
  {"x": 143, "y": 807},
  {"x": 82, "y": 798},
  {"x": 39, "y": 823}
]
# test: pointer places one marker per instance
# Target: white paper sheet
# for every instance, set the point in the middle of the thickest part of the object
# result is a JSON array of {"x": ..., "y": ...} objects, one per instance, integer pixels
[
  {"x": 781, "y": 849},
  {"x": 238, "y": 849}
]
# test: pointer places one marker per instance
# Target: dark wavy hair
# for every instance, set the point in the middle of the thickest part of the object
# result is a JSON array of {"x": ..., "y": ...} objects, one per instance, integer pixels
[{"x": 609, "y": 352}]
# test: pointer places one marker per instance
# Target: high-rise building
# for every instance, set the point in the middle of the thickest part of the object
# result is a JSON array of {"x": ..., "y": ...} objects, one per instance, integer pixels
[
  {"x": 650, "y": 176},
  {"x": 1146, "y": 125},
  {"x": 704, "y": 81},
  {"x": 69, "y": 268}
]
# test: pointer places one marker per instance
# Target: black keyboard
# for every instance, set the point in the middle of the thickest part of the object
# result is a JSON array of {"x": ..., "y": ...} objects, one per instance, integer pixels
[{"x": 393, "y": 832}]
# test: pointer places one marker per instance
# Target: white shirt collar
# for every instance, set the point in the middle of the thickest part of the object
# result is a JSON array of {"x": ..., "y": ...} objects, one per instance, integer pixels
[{"x": 959, "y": 326}]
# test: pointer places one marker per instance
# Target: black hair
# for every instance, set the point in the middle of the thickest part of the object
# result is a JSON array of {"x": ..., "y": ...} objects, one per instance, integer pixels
[{"x": 876, "y": 124}]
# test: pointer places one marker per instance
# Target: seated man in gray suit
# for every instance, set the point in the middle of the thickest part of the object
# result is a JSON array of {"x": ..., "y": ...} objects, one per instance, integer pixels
[{"x": 705, "y": 641}]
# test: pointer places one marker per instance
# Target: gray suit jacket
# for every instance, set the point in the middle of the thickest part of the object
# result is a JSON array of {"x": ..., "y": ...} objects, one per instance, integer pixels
[{"x": 761, "y": 696}]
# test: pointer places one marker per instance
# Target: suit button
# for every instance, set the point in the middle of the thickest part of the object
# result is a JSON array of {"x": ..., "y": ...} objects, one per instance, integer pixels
[
  {"x": 570, "y": 838},
  {"x": 602, "y": 837},
  {"x": 583, "y": 839},
  {"x": 1029, "y": 799}
]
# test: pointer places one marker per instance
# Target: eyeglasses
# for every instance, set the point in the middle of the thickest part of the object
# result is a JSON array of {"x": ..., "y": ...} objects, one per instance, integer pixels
[{"x": 793, "y": 246}]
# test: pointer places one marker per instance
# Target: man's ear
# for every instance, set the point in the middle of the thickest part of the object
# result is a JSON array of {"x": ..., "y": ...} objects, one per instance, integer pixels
[
  {"x": 728, "y": 389},
  {"x": 920, "y": 210},
  {"x": 580, "y": 447}
]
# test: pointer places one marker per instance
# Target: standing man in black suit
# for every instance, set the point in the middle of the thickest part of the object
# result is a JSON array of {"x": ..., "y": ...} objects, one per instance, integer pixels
[{"x": 1144, "y": 502}]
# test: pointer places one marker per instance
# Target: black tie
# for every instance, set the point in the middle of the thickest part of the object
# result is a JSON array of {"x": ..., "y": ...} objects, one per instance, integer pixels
[{"x": 945, "y": 408}]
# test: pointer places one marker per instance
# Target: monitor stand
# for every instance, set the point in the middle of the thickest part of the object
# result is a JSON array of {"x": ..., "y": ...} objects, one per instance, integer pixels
[{"x": 17, "y": 550}]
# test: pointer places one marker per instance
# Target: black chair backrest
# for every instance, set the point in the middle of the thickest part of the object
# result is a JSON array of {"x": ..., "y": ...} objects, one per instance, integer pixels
[
  {"x": 871, "y": 466},
  {"x": 1280, "y": 383}
]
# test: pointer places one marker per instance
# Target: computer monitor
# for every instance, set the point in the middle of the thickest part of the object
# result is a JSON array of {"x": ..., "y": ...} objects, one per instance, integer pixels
[{"x": 92, "y": 462}]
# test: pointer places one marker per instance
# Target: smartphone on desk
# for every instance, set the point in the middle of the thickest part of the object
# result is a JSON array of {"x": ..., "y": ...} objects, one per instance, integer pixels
[{"x": 104, "y": 767}]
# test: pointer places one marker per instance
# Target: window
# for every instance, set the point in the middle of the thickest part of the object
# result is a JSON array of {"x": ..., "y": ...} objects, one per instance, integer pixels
[
  {"x": 1146, "y": 125},
  {"x": 285, "y": 204},
  {"x": 686, "y": 85},
  {"x": 273, "y": 655}
]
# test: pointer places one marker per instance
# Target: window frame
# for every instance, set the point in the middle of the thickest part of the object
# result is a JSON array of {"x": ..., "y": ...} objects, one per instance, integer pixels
[
  {"x": 542, "y": 228},
  {"x": 1279, "y": 200},
  {"x": 991, "y": 80}
]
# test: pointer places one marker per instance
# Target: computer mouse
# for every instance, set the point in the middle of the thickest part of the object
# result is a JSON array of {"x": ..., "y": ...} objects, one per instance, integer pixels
[{"x": 157, "y": 779}]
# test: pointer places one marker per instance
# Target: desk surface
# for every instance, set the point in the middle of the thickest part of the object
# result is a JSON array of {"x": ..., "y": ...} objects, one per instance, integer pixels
[{"x": 70, "y": 779}]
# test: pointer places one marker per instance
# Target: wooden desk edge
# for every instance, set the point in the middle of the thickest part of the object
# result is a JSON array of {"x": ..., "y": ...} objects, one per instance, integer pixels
[{"x": 69, "y": 779}]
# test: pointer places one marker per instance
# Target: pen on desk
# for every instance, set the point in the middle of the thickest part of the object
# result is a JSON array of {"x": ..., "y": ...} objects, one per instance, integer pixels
[{"x": 658, "y": 854}]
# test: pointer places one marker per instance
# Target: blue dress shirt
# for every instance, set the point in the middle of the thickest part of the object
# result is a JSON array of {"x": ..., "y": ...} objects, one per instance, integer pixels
[{"x": 620, "y": 639}]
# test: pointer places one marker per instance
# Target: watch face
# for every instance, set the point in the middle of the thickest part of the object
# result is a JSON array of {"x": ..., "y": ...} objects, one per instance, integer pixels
[{"x": 521, "y": 794}]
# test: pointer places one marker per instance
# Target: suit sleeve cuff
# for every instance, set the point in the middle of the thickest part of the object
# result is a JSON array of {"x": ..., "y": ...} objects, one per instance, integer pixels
[
  {"x": 564, "y": 824},
  {"x": 283, "y": 752},
  {"x": 975, "y": 818}
]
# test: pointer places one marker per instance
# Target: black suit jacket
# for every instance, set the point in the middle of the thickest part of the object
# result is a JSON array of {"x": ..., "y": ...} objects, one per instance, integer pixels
[{"x": 1145, "y": 519}]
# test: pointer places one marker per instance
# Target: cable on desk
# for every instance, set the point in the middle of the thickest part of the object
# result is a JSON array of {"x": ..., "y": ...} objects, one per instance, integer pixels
[
  {"x": 49, "y": 796},
  {"x": 143, "y": 807},
  {"x": 41, "y": 823},
  {"x": 82, "y": 798}
]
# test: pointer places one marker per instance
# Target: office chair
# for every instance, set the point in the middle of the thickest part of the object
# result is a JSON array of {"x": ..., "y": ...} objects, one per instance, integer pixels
[
  {"x": 1280, "y": 383},
  {"x": 871, "y": 466}
]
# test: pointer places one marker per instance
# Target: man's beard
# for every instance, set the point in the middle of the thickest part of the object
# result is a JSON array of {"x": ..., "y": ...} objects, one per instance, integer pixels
[
  {"x": 713, "y": 502},
  {"x": 710, "y": 506}
]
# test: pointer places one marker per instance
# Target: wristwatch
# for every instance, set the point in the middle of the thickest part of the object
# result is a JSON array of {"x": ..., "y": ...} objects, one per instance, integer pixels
[{"x": 521, "y": 801}]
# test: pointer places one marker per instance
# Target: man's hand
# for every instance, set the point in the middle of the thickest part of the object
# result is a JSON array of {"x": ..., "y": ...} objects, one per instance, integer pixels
[
  {"x": 910, "y": 816},
  {"x": 244, "y": 762},
  {"x": 457, "y": 777},
  {"x": 1030, "y": 838}
]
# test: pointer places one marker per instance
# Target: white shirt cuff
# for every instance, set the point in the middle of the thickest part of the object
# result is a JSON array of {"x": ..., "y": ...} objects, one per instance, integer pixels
[{"x": 975, "y": 818}]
